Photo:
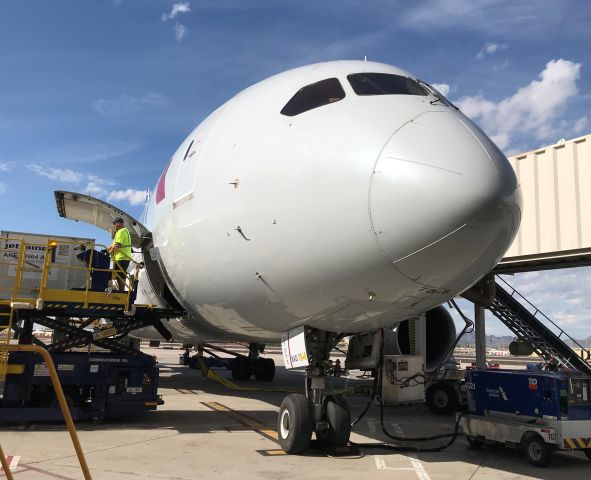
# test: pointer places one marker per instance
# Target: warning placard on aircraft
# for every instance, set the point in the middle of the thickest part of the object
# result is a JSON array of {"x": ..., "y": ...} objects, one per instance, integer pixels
[{"x": 293, "y": 345}]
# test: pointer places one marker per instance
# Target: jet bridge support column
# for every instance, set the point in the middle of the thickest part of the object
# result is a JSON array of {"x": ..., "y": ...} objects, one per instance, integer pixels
[
  {"x": 421, "y": 338},
  {"x": 480, "y": 336}
]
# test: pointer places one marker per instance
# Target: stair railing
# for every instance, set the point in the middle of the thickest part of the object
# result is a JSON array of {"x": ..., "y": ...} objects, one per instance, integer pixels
[{"x": 585, "y": 353}]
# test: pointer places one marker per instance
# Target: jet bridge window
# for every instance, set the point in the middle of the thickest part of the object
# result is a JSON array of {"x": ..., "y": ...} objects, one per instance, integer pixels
[
  {"x": 385, "y": 84},
  {"x": 314, "y": 96}
]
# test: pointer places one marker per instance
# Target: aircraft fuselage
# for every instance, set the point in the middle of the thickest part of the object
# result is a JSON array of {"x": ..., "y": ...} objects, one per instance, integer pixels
[{"x": 350, "y": 216}]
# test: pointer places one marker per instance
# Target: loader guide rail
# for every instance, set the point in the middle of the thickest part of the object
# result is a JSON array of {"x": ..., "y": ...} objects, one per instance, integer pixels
[{"x": 34, "y": 273}]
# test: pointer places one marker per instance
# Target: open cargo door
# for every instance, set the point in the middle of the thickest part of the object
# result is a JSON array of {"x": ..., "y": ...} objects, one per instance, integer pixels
[{"x": 83, "y": 208}]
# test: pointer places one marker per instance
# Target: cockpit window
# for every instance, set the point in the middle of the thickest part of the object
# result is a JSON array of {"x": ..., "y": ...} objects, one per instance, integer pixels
[
  {"x": 313, "y": 96},
  {"x": 385, "y": 84}
]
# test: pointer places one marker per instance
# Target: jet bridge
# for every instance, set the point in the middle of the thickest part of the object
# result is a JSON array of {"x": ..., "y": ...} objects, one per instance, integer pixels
[
  {"x": 555, "y": 233},
  {"x": 555, "y": 230}
]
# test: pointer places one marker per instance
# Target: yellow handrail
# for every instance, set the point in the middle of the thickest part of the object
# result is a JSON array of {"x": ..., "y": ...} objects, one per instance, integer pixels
[
  {"x": 19, "y": 268},
  {"x": 5, "y": 332},
  {"x": 60, "y": 397},
  {"x": 37, "y": 289}
]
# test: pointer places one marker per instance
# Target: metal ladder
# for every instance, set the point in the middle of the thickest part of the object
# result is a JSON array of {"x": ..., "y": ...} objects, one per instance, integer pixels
[
  {"x": 5, "y": 334},
  {"x": 10, "y": 293},
  {"x": 531, "y": 326}
]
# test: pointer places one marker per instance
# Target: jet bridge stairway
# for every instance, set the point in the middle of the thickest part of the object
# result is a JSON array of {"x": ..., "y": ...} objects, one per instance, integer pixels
[{"x": 531, "y": 326}]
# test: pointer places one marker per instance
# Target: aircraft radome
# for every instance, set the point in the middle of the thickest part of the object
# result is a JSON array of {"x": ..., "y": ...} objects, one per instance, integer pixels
[{"x": 343, "y": 197}]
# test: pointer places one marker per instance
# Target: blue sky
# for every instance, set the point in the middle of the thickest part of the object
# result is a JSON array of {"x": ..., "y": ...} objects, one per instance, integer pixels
[{"x": 95, "y": 95}]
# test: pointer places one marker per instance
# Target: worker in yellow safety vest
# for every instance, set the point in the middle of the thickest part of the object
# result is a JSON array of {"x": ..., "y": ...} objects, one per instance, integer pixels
[{"x": 120, "y": 250}]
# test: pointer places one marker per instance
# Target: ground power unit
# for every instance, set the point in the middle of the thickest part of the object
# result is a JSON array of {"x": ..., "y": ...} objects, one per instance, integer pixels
[
  {"x": 402, "y": 379},
  {"x": 538, "y": 411}
]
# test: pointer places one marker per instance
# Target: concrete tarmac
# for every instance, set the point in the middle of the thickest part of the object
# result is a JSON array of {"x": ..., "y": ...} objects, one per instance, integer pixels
[{"x": 207, "y": 431}]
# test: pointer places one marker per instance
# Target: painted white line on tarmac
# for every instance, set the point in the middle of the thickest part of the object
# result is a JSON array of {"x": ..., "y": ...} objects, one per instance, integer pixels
[
  {"x": 417, "y": 466},
  {"x": 414, "y": 461},
  {"x": 381, "y": 464},
  {"x": 12, "y": 461}
]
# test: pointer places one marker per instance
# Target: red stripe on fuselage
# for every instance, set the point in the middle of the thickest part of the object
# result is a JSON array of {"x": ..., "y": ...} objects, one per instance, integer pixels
[{"x": 161, "y": 187}]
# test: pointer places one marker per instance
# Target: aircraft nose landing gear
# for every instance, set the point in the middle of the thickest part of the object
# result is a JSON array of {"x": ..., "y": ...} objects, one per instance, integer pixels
[
  {"x": 328, "y": 416},
  {"x": 294, "y": 424}
]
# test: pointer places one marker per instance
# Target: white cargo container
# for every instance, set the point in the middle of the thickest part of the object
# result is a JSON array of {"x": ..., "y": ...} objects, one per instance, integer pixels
[{"x": 66, "y": 270}]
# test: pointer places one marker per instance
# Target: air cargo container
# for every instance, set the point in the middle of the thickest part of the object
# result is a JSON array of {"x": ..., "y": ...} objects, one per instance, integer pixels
[{"x": 69, "y": 272}]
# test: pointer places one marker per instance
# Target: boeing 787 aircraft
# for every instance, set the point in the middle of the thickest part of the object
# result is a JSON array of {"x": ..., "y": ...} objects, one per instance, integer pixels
[{"x": 329, "y": 200}]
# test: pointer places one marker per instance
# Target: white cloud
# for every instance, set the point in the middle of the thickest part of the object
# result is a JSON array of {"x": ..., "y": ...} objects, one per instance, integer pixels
[
  {"x": 179, "y": 31},
  {"x": 60, "y": 174},
  {"x": 490, "y": 49},
  {"x": 566, "y": 303},
  {"x": 126, "y": 104},
  {"x": 443, "y": 88},
  {"x": 97, "y": 186},
  {"x": 501, "y": 66},
  {"x": 424, "y": 15},
  {"x": 3, "y": 188},
  {"x": 134, "y": 197},
  {"x": 506, "y": 17},
  {"x": 533, "y": 109},
  {"x": 580, "y": 124},
  {"x": 84, "y": 152},
  {"x": 6, "y": 166},
  {"x": 91, "y": 152},
  {"x": 94, "y": 185},
  {"x": 177, "y": 8}
]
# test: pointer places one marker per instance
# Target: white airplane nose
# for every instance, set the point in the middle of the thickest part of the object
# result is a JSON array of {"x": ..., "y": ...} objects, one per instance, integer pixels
[{"x": 466, "y": 203}]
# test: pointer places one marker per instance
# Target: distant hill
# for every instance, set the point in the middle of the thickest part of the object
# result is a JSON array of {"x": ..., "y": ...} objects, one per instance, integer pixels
[
  {"x": 491, "y": 340},
  {"x": 586, "y": 342},
  {"x": 503, "y": 341}
]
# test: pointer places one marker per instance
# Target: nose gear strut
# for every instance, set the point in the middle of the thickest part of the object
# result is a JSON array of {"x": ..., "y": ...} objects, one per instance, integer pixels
[{"x": 327, "y": 415}]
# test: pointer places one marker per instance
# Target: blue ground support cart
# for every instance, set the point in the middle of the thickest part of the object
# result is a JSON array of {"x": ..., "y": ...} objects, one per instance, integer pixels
[
  {"x": 538, "y": 411},
  {"x": 97, "y": 385}
]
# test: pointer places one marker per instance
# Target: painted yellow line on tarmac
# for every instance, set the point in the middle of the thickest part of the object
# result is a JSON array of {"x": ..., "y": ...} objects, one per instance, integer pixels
[
  {"x": 254, "y": 425},
  {"x": 271, "y": 453}
]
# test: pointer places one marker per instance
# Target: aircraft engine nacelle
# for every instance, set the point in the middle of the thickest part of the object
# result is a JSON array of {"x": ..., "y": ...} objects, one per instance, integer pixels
[{"x": 440, "y": 332}]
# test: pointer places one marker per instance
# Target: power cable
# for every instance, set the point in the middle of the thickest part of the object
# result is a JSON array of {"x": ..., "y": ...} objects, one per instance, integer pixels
[{"x": 377, "y": 387}]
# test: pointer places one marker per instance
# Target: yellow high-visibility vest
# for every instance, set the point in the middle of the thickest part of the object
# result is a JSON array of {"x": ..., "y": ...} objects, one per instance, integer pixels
[{"x": 123, "y": 238}]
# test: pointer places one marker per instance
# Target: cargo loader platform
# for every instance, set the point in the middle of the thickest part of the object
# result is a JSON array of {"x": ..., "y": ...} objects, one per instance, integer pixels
[{"x": 66, "y": 285}]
